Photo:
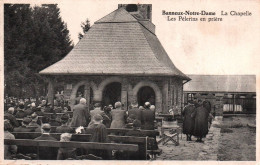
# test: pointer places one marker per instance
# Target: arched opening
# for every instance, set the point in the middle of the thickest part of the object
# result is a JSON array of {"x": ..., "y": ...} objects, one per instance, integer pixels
[
  {"x": 145, "y": 94},
  {"x": 111, "y": 94},
  {"x": 80, "y": 93},
  {"x": 131, "y": 8}
]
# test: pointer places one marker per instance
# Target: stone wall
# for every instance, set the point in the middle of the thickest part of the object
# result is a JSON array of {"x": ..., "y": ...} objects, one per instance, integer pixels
[{"x": 168, "y": 92}]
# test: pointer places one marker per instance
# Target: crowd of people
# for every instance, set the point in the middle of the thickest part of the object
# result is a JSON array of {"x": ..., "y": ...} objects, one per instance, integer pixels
[
  {"x": 32, "y": 116},
  {"x": 197, "y": 119},
  {"x": 34, "y": 119}
]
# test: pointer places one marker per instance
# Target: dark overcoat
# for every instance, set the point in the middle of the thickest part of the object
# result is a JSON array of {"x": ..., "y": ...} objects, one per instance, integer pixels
[
  {"x": 201, "y": 122},
  {"x": 147, "y": 120},
  {"x": 188, "y": 121},
  {"x": 135, "y": 111},
  {"x": 81, "y": 116}
]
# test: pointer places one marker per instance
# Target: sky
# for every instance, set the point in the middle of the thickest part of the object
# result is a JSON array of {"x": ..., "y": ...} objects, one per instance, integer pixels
[{"x": 230, "y": 46}]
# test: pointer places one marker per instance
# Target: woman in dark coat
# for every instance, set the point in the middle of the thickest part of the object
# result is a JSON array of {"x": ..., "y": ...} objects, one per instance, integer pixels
[
  {"x": 188, "y": 121},
  {"x": 201, "y": 115},
  {"x": 99, "y": 135}
]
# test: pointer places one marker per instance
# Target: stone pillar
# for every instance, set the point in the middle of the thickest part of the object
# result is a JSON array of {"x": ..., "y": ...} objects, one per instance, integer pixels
[
  {"x": 165, "y": 93},
  {"x": 87, "y": 92},
  {"x": 124, "y": 93},
  {"x": 180, "y": 96},
  {"x": 50, "y": 94},
  {"x": 130, "y": 94}
]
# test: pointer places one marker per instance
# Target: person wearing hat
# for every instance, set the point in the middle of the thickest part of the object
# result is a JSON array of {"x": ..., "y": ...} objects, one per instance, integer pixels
[
  {"x": 34, "y": 123},
  {"x": 23, "y": 127},
  {"x": 64, "y": 128},
  {"x": 188, "y": 119},
  {"x": 118, "y": 116},
  {"x": 98, "y": 110},
  {"x": 47, "y": 153},
  {"x": 99, "y": 135},
  {"x": 8, "y": 149},
  {"x": 99, "y": 129},
  {"x": 9, "y": 115},
  {"x": 148, "y": 117},
  {"x": 20, "y": 113},
  {"x": 81, "y": 115}
]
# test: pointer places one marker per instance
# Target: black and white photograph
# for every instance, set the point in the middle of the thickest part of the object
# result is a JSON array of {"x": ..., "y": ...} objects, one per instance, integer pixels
[{"x": 149, "y": 81}]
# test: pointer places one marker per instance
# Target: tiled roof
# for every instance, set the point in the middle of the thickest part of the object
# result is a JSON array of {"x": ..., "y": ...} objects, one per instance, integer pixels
[
  {"x": 221, "y": 83},
  {"x": 117, "y": 44}
]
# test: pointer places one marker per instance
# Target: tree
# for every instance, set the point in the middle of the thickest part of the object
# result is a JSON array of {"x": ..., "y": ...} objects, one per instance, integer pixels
[
  {"x": 34, "y": 38},
  {"x": 85, "y": 27}
]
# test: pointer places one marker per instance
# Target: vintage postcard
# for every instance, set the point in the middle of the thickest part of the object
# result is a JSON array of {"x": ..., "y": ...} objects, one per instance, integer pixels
[{"x": 150, "y": 81}]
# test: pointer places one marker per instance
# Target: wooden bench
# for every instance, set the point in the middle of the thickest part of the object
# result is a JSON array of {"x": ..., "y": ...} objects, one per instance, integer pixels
[
  {"x": 140, "y": 141},
  {"x": 59, "y": 114},
  {"x": 143, "y": 133},
  {"x": 71, "y": 144}
]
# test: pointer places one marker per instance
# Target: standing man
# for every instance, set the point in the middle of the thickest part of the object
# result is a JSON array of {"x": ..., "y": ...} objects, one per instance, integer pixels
[
  {"x": 81, "y": 115},
  {"x": 188, "y": 121}
]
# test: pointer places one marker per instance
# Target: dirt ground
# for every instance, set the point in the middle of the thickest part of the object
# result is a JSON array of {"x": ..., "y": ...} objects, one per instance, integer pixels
[
  {"x": 237, "y": 140},
  {"x": 232, "y": 138}
]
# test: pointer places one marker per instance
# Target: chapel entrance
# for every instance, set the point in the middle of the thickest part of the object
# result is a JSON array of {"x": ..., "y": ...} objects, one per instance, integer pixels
[
  {"x": 111, "y": 94},
  {"x": 145, "y": 94},
  {"x": 80, "y": 93}
]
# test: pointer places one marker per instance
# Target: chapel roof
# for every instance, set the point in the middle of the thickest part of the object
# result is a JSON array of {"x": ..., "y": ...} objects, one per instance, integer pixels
[{"x": 117, "y": 44}]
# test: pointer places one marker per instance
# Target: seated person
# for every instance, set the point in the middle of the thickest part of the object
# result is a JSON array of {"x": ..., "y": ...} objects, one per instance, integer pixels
[
  {"x": 53, "y": 120},
  {"x": 20, "y": 113},
  {"x": 23, "y": 127},
  {"x": 64, "y": 128},
  {"x": 44, "y": 120},
  {"x": 57, "y": 109},
  {"x": 10, "y": 116},
  {"x": 66, "y": 153},
  {"x": 30, "y": 110},
  {"x": 39, "y": 111},
  {"x": 47, "y": 153},
  {"x": 34, "y": 123},
  {"x": 8, "y": 149},
  {"x": 48, "y": 108}
]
